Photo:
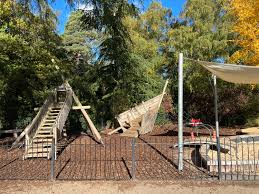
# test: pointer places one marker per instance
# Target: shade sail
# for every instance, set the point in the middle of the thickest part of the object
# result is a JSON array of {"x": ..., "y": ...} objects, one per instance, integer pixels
[{"x": 241, "y": 74}]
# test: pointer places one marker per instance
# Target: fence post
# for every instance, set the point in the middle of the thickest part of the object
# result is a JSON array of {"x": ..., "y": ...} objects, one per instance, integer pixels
[
  {"x": 52, "y": 167},
  {"x": 133, "y": 141},
  {"x": 217, "y": 125}
]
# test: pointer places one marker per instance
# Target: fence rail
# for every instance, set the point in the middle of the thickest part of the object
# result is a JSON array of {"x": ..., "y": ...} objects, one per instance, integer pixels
[{"x": 145, "y": 158}]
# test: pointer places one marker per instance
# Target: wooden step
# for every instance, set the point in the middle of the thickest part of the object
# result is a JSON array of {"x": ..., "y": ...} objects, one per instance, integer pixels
[
  {"x": 55, "y": 108},
  {"x": 51, "y": 117},
  {"x": 54, "y": 111},
  {"x": 38, "y": 150},
  {"x": 42, "y": 140},
  {"x": 44, "y": 132},
  {"x": 43, "y": 136},
  {"x": 41, "y": 145},
  {"x": 52, "y": 114},
  {"x": 47, "y": 127},
  {"x": 50, "y": 127},
  {"x": 36, "y": 155},
  {"x": 50, "y": 120}
]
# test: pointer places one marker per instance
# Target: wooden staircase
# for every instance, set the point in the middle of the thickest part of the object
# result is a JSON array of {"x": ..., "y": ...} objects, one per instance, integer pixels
[
  {"x": 46, "y": 129},
  {"x": 44, "y": 135},
  {"x": 41, "y": 144}
]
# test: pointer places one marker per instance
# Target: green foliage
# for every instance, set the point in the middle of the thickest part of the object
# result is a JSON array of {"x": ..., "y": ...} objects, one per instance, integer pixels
[
  {"x": 162, "y": 117},
  {"x": 122, "y": 74},
  {"x": 115, "y": 57},
  {"x": 203, "y": 32},
  {"x": 123, "y": 70},
  {"x": 28, "y": 45}
]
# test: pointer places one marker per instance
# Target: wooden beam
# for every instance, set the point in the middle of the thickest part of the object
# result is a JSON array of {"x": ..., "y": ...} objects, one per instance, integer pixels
[
  {"x": 91, "y": 125},
  {"x": 163, "y": 93},
  {"x": 115, "y": 130},
  {"x": 80, "y": 107},
  {"x": 11, "y": 131}
]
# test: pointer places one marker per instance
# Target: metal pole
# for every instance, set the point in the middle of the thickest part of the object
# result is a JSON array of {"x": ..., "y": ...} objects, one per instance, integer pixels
[
  {"x": 217, "y": 124},
  {"x": 52, "y": 170},
  {"x": 133, "y": 159},
  {"x": 180, "y": 113}
]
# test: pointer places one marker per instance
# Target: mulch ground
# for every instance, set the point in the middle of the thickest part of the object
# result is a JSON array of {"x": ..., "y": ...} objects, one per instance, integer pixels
[{"x": 85, "y": 159}]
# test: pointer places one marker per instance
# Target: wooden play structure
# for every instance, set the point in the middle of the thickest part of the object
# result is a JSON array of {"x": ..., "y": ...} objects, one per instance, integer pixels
[
  {"x": 239, "y": 154},
  {"x": 47, "y": 128},
  {"x": 141, "y": 118},
  {"x": 250, "y": 131}
]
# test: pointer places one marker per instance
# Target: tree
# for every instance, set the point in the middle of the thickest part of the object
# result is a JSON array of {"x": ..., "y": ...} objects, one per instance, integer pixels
[
  {"x": 107, "y": 85},
  {"x": 203, "y": 32},
  {"x": 114, "y": 75},
  {"x": 80, "y": 43},
  {"x": 28, "y": 45},
  {"x": 246, "y": 14},
  {"x": 148, "y": 33},
  {"x": 116, "y": 71}
]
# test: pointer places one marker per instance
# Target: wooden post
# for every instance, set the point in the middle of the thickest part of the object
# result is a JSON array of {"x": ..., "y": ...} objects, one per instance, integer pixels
[
  {"x": 163, "y": 93},
  {"x": 91, "y": 125}
]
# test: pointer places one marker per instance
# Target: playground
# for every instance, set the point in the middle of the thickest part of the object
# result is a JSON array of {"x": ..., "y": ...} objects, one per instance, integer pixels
[
  {"x": 129, "y": 96},
  {"x": 138, "y": 148},
  {"x": 149, "y": 157}
]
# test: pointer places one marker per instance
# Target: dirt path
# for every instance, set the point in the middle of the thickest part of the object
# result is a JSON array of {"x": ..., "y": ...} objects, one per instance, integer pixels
[{"x": 41, "y": 187}]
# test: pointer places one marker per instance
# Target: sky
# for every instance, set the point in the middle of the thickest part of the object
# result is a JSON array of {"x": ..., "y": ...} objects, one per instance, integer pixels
[{"x": 63, "y": 10}]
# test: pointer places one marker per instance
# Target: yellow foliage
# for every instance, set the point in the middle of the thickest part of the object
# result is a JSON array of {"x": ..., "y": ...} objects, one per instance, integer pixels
[
  {"x": 7, "y": 10},
  {"x": 247, "y": 27}
]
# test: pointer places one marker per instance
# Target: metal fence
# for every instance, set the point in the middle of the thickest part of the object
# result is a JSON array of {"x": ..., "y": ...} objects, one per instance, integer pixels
[
  {"x": 145, "y": 158},
  {"x": 14, "y": 166}
]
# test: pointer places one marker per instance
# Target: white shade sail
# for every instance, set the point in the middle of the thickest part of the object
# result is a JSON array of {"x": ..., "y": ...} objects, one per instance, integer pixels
[{"x": 241, "y": 74}]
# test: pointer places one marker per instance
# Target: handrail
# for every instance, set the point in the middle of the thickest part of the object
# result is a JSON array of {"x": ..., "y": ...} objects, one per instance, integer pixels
[
  {"x": 62, "y": 116},
  {"x": 38, "y": 119},
  {"x": 31, "y": 128},
  {"x": 61, "y": 120}
]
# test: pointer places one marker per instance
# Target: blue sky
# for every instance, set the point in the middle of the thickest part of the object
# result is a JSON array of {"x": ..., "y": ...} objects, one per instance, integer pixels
[{"x": 64, "y": 11}]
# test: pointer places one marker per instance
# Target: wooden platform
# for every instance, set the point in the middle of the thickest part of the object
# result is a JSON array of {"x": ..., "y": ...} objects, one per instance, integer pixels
[
  {"x": 251, "y": 131},
  {"x": 236, "y": 156},
  {"x": 130, "y": 133}
]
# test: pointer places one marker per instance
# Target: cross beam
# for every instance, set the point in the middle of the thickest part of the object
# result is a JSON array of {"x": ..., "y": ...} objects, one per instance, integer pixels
[{"x": 80, "y": 107}]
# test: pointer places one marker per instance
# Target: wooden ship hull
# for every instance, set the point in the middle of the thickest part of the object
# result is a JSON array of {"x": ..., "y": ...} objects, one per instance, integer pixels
[{"x": 141, "y": 118}]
